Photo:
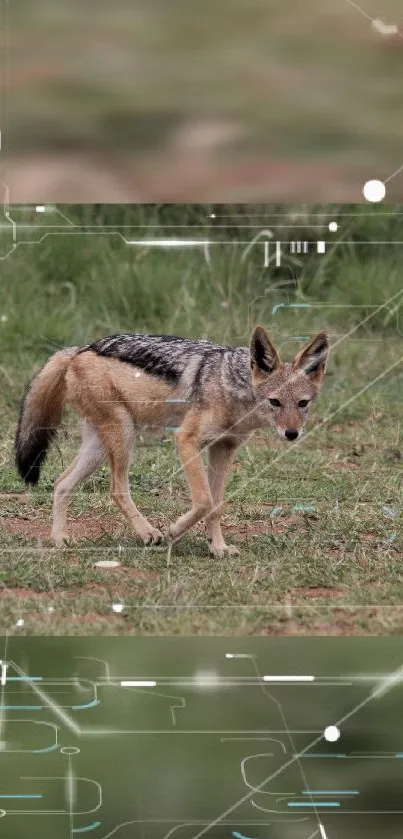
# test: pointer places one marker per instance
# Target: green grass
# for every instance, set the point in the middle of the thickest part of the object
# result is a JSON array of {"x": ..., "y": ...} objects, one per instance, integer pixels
[{"x": 334, "y": 568}]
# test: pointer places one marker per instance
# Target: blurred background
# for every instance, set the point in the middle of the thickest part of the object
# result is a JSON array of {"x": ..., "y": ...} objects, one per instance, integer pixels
[
  {"x": 195, "y": 727},
  {"x": 241, "y": 101}
]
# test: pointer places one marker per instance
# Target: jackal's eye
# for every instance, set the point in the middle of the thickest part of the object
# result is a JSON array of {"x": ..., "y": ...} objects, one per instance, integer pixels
[
  {"x": 303, "y": 403},
  {"x": 275, "y": 402}
]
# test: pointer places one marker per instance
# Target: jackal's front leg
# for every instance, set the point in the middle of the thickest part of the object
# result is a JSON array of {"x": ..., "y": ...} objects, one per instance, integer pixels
[
  {"x": 189, "y": 452},
  {"x": 220, "y": 458}
]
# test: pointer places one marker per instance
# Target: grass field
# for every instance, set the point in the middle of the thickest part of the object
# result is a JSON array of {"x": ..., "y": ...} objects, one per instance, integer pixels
[{"x": 318, "y": 523}]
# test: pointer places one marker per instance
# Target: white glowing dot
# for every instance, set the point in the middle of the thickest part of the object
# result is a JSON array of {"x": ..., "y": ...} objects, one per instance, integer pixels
[
  {"x": 107, "y": 563},
  {"x": 332, "y": 733},
  {"x": 40, "y": 208},
  {"x": 374, "y": 191},
  {"x": 51, "y": 609},
  {"x": 20, "y": 622},
  {"x": 333, "y": 226},
  {"x": 212, "y": 215},
  {"x": 118, "y": 608},
  {"x": 229, "y": 655},
  {"x": 4, "y": 318},
  {"x": 206, "y": 679},
  {"x": 384, "y": 28},
  {"x": 137, "y": 375}
]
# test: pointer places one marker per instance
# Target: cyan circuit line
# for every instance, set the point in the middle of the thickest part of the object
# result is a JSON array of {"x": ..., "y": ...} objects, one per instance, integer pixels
[
  {"x": 330, "y": 792},
  {"x": 390, "y": 539},
  {"x": 322, "y": 755},
  {"x": 86, "y": 829},
  {"x": 21, "y": 796},
  {"x": 239, "y": 835},
  {"x": 24, "y": 678},
  {"x": 276, "y": 510},
  {"x": 42, "y": 751},
  {"x": 21, "y": 707},
  {"x": 89, "y": 705},
  {"x": 290, "y": 306},
  {"x": 42, "y": 707}
]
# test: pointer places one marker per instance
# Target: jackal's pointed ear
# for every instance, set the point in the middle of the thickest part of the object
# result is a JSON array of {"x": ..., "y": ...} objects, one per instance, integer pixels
[
  {"x": 264, "y": 358},
  {"x": 313, "y": 358}
]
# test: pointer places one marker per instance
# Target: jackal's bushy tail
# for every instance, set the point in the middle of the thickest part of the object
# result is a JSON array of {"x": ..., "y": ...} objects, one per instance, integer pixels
[{"x": 40, "y": 416}]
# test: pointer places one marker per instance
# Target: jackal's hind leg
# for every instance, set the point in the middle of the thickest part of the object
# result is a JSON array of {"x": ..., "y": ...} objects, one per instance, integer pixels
[
  {"x": 220, "y": 458},
  {"x": 91, "y": 455}
]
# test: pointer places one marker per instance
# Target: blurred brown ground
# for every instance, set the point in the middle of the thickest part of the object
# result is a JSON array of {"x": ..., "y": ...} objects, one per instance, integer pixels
[{"x": 245, "y": 100}]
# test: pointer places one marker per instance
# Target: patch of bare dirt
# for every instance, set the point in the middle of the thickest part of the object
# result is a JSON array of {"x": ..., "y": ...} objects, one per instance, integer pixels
[
  {"x": 15, "y": 496},
  {"x": 318, "y": 592},
  {"x": 341, "y": 622},
  {"x": 84, "y": 527},
  {"x": 372, "y": 536},
  {"x": 343, "y": 465},
  {"x": 26, "y": 593}
]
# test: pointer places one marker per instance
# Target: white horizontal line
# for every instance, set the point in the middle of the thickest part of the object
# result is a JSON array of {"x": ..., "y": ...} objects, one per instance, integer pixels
[
  {"x": 167, "y": 243},
  {"x": 140, "y": 683},
  {"x": 288, "y": 678}
]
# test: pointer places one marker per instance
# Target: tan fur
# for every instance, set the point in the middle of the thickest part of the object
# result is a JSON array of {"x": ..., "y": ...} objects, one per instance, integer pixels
[
  {"x": 114, "y": 399},
  {"x": 45, "y": 402}
]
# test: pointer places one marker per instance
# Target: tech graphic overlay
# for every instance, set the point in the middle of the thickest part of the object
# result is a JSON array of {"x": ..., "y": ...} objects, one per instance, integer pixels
[{"x": 153, "y": 738}]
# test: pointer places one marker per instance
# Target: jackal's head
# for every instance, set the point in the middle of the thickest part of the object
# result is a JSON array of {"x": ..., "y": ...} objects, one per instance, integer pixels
[{"x": 285, "y": 392}]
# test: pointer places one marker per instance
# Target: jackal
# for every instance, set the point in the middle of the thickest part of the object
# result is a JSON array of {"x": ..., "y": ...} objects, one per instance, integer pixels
[{"x": 214, "y": 396}]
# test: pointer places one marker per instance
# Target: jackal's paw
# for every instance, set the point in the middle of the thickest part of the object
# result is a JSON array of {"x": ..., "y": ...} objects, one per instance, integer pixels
[
  {"x": 59, "y": 540},
  {"x": 222, "y": 549},
  {"x": 152, "y": 536},
  {"x": 173, "y": 534}
]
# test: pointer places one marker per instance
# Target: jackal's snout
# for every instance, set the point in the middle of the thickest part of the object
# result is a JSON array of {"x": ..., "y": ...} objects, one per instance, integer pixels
[{"x": 291, "y": 433}]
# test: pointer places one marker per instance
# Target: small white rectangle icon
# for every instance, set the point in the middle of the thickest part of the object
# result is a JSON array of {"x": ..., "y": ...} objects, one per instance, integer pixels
[
  {"x": 288, "y": 678},
  {"x": 140, "y": 683},
  {"x": 321, "y": 247}
]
